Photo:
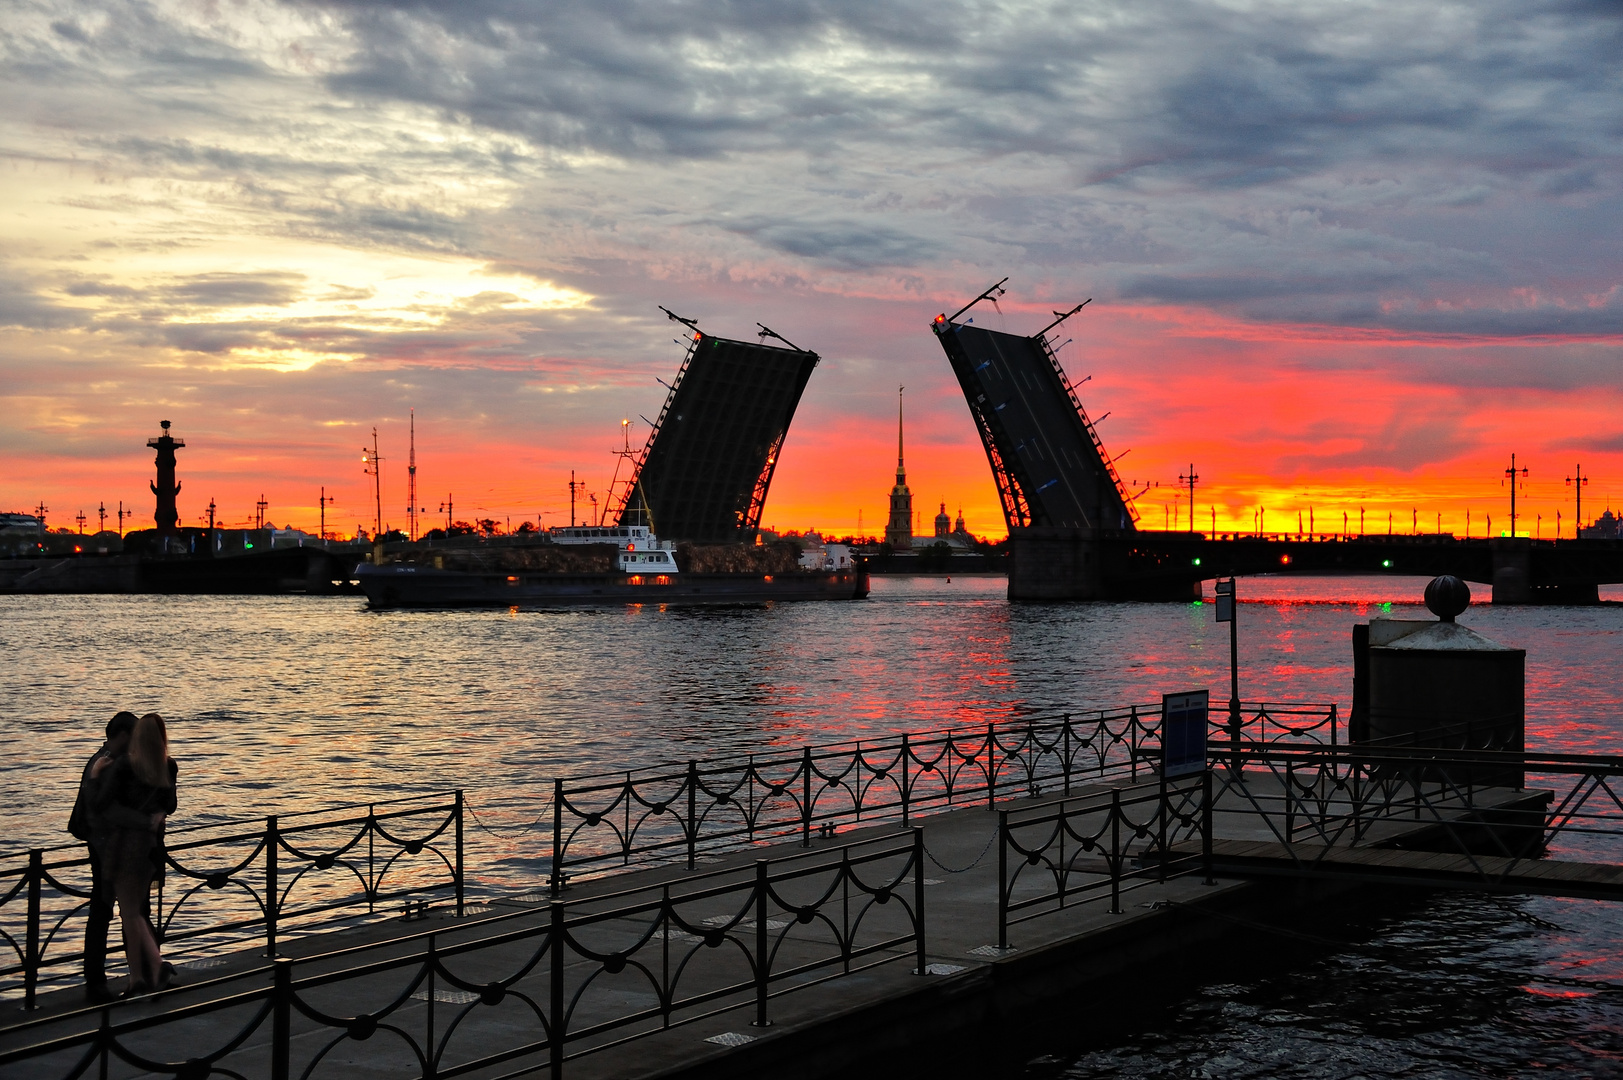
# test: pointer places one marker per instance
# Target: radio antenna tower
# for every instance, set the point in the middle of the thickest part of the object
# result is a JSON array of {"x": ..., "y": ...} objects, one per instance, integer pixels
[
  {"x": 627, "y": 457},
  {"x": 411, "y": 481},
  {"x": 371, "y": 459}
]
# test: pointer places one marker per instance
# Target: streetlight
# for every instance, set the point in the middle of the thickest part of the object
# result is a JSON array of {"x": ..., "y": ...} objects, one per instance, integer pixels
[{"x": 1576, "y": 481}]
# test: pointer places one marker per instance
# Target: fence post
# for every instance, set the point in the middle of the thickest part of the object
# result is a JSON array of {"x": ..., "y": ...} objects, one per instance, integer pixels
[
  {"x": 918, "y": 897},
  {"x": 1002, "y": 879},
  {"x": 805, "y": 796},
  {"x": 1031, "y": 758},
  {"x": 1065, "y": 737},
  {"x": 1206, "y": 823},
  {"x": 749, "y": 804},
  {"x": 272, "y": 902},
  {"x": 1290, "y": 800},
  {"x": 1115, "y": 851},
  {"x": 1161, "y": 825},
  {"x": 281, "y": 1017},
  {"x": 371, "y": 858},
  {"x": 104, "y": 1040},
  {"x": 430, "y": 1057},
  {"x": 556, "y": 884},
  {"x": 1333, "y": 724},
  {"x": 856, "y": 770},
  {"x": 459, "y": 863},
  {"x": 1236, "y": 723},
  {"x": 906, "y": 790},
  {"x": 762, "y": 945},
  {"x": 991, "y": 766},
  {"x": 31, "y": 958},
  {"x": 693, "y": 814},
  {"x": 555, "y": 1006},
  {"x": 1133, "y": 733}
]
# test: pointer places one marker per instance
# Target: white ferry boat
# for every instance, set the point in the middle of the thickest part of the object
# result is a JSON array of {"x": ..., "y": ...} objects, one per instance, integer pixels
[{"x": 641, "y": 552}]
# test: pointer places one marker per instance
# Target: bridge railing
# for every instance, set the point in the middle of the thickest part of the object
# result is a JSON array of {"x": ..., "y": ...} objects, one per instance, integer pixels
[
  {"x": 528, "y": 991},
  {"x": 226, "y": 884},
  {"x": 688, "y": 810}
]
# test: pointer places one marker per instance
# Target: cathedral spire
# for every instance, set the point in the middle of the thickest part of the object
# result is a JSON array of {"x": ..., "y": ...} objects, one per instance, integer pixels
[
  {"x": 901, "y": 470},
  {"x": 899, "y": 531}
]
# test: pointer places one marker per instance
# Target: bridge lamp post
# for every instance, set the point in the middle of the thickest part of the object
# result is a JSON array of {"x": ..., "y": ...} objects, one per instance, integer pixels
[
  {"x": 1511, "y": 475},
  {"x": 1576, "y": 482},
  {"x": 1189, "y": 478},
  {"x": 1227, "y": 611}
]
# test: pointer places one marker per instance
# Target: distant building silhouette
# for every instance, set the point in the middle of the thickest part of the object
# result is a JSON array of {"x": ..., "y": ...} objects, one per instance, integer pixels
[
  {"x": 166, "y": 487},
  {"x": 952, "y": 533},
  {"x": 1606, "y": 527},
  {"x": 899, "y": 530}
]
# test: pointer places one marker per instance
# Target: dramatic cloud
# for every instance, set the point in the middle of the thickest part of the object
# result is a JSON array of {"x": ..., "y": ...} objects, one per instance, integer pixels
[{"x": 1384, "y": 235}]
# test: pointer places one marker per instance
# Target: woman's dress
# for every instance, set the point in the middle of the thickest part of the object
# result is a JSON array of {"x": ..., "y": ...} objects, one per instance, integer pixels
[{"x": 137, "y": 854}]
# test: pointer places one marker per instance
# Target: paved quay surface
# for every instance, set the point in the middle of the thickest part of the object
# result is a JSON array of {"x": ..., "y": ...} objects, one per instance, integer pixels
[{"x": 868, "y": 1015}]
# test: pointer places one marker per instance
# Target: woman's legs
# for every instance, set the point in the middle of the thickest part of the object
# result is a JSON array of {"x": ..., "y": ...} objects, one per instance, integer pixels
[{"x": 140, "y": 947}]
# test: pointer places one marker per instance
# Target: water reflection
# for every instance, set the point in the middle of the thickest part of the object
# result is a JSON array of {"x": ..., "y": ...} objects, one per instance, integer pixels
[
  {"x": 1457, "y": 985},
  {"x": 281, "y": 703}
]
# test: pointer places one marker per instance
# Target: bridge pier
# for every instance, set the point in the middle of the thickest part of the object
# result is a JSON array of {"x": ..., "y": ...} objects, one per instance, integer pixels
[
  {"x": 1047, "y": 563},
  {"x": 1512, "y": 570}
]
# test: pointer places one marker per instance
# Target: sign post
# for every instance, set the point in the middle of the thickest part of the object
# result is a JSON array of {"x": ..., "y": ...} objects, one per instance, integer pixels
[
  {"x": 1183, "y": 733},
  {"x": 1228, "y": 611}
]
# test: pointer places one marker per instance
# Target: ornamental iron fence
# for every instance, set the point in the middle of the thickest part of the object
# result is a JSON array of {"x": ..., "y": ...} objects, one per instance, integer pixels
[
  {"x": 1503, "y": 813},
  {"x": 1055, "y": 853},
  {"x": 531, "y": 990},
  {"x": 228, "y": 883},
  {"x": 224, "y": 883},
  {"x": 682, "y": 811}
]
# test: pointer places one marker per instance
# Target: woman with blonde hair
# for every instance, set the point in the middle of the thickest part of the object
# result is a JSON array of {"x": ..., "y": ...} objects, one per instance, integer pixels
[{"x": 143, "y": 780}]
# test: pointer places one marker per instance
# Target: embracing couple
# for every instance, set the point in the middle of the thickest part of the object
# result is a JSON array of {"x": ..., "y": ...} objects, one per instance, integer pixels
[{"x": 126, "y": 794}]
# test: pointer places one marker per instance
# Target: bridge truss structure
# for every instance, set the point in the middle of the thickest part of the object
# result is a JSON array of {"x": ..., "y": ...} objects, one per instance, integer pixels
[
  {"x": 1048, "y": 462},
  {"x": 704, "y": 472}
]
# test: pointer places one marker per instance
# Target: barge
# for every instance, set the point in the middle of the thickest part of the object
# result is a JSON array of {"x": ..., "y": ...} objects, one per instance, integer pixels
[{"x": 645, "y": 570}]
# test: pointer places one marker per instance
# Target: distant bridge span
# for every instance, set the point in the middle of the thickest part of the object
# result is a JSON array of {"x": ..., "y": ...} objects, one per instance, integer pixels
[
  {"x": 1074, "y": 533},
  {"x": 1073, "y": 564}
]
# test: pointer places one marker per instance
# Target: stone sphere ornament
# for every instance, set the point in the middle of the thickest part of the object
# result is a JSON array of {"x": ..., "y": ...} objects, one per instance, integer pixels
[{"x": 1447, "y": 596}]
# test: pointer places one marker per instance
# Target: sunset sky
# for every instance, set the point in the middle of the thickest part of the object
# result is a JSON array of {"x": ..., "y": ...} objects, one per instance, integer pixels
[{"x": 1341, "y": 256}]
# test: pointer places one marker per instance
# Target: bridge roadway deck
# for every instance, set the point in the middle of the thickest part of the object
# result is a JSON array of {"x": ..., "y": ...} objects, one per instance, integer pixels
[{"x": 883, "y": 1013}]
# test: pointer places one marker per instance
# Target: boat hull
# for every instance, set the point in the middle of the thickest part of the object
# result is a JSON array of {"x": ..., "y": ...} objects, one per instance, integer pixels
[{"x": 400, "y": 586}]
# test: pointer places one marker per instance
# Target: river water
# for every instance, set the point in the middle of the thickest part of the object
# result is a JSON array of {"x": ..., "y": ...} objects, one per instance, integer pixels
[{"x": 279, "y": 704}]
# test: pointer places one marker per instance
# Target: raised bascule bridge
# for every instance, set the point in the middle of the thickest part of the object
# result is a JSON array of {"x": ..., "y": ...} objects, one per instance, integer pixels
[
  {"x": 704, "y": 472},
  {"x": 1075, "y": 535}
]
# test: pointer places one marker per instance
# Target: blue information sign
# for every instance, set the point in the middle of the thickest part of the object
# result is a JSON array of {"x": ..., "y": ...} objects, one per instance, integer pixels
[{"x": 1183, "y": 732}]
